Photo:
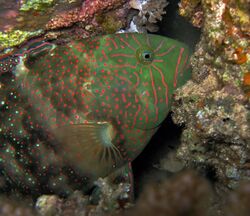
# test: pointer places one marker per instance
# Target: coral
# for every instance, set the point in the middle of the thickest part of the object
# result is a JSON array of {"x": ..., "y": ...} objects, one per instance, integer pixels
[
  {"x": 88, "y": 10},
  {"x": 238, "y": 201},
  {"x": 184, "y": 194},
  {"x": 71, "y": 19},
  {"x": 111, "y": 198},
  {"x": 246, "y": 83},
  {"x": 192, "y": 10},
  {"x": 23, "y": 20},
  {"x": 109, "y": 22},
  {"x": 74, "y": 205},
  {"x": 48, "y": 205},
  {"x": 150, "y": 12},
  {"x": 188, "y": 193},
  {"x": 20, "y": 22},
  {"x": 34, "y": 15},
  {"x": 215, "y": 105}
]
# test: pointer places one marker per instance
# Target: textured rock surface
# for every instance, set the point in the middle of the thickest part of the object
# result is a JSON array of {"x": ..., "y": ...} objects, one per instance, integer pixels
[
  {"x": 52, "y": 19},
  {"x": 215, "y": 105},
  {"x": 68, "y": 19}
]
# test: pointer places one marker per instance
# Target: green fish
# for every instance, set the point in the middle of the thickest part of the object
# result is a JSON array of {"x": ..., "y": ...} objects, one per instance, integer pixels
[{"x": 95, "y": 103}]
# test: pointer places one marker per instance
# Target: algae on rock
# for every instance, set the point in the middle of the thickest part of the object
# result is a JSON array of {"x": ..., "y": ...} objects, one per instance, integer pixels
[{"x": 215, "y": 105}]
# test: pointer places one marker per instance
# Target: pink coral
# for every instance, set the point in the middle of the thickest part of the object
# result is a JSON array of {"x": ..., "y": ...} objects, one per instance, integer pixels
[{"x": 88, "y": 10}]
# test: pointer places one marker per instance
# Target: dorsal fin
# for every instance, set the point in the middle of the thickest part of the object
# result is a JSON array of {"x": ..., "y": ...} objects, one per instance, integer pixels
[{"x": 36, "y": 51}]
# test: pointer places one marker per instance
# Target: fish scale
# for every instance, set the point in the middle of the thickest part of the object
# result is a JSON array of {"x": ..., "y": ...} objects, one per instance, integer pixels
[{"x": 85, "y": 109}]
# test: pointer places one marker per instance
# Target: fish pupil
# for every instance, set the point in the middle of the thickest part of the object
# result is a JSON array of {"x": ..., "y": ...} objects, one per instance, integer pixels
[{"x": 147, "y": 56}]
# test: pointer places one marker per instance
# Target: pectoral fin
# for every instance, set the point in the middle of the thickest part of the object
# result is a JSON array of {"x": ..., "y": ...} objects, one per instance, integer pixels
[{"x": 90, "y": 147}]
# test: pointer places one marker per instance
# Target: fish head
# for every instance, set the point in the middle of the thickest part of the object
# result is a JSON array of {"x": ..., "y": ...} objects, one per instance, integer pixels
[
  {"x": 129, "y": 77},
  {"x": 156, "y": 66}
]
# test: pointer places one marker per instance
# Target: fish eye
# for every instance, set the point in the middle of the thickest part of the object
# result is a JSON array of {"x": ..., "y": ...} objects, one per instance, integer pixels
[{"x": 145, "y": 55}]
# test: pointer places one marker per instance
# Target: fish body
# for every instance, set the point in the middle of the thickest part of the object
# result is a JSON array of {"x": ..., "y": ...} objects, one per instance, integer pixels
[{"x": 92, "y": 105}]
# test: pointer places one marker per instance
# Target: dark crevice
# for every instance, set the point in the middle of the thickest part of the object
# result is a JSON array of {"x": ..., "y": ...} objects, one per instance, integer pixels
[{"x": 168, "y": 136}]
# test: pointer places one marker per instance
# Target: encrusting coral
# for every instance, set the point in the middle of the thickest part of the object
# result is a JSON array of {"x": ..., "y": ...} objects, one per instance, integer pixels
[
  {"x": 67, "y": 19},
  {"x": 215, "y": 105},
  {"x": 52, "y": 19}
]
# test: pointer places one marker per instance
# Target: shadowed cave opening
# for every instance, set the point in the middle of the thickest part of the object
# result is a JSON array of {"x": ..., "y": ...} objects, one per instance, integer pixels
[{"x": 167, "y": 138}]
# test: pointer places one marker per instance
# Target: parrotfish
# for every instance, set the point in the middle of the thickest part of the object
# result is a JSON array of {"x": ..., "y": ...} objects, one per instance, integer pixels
[{"x": 85, "y": 109}]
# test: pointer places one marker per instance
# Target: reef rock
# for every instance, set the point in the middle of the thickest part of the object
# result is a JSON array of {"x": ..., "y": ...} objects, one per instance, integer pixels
[{"x": 215, "y": 105}]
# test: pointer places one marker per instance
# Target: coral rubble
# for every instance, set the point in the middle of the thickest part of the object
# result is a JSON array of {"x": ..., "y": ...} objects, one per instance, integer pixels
[
  {"x": 110, "y": 198},
  {"x": 150, "y": 12},
  {"x": 215, "y": 105},
  {"x": 50, "y": 205},
  {"x": 186, "y": 193}
]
